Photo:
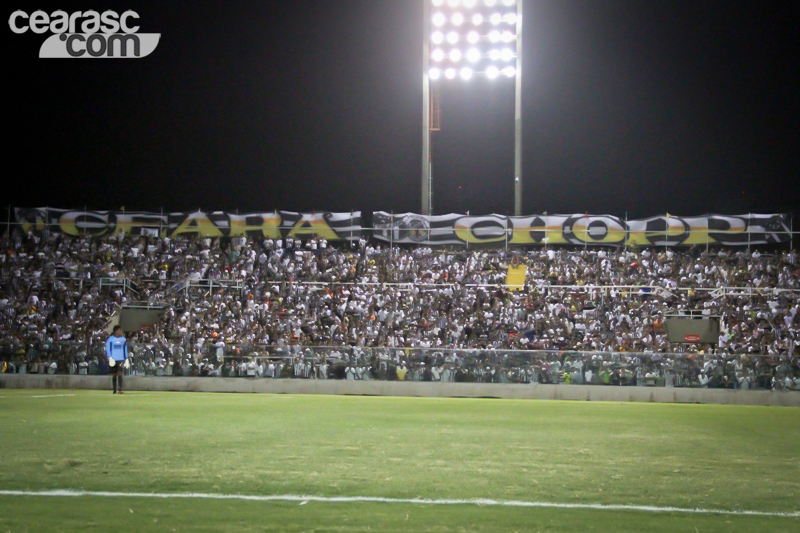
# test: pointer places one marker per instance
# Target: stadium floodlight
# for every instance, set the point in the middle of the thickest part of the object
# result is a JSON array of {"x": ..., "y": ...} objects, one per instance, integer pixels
[{"x": 465, "y": 39}]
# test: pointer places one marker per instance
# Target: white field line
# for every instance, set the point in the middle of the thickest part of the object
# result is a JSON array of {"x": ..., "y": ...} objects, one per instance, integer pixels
[
  {"x": 47, "y": 395},
  {"x": 372, "y": 499},
  {"x": 128, "y": 394},
  {"x": 41, "y": 396}
]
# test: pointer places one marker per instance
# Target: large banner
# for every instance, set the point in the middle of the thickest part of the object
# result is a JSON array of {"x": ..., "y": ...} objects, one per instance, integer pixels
[
  {"x": 273, "y": 225},
  {"x": 582, "y": 229}
]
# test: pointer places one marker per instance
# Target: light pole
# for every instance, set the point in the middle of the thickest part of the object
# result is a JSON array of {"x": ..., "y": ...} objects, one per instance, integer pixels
[
  {"x": 518, "y": 119},
  {"x": 427, "y": 184},
  {"x": 467, "y": 39}
]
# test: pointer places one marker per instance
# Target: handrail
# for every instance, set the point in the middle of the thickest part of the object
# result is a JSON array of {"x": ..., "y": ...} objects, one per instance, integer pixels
[{"x": 410, "y": 351}]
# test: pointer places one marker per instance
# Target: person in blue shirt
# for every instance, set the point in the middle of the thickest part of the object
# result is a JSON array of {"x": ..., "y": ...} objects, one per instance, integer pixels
[{"x": 117, "y": 352}]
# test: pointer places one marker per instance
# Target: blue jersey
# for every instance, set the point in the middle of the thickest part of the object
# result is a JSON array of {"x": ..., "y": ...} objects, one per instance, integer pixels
[{"x": 117, "y": 348}]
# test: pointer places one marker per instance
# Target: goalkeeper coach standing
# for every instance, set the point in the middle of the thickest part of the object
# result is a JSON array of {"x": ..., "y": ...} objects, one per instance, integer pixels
[{"x": 117, "y": 352}]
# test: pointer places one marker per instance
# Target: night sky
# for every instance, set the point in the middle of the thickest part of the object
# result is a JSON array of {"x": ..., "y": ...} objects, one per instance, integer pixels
[{"x": 637, "y": 107}]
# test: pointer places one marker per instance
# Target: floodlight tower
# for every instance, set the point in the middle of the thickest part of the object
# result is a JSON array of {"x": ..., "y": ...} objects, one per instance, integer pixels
[{"x": 464, "y": 39}]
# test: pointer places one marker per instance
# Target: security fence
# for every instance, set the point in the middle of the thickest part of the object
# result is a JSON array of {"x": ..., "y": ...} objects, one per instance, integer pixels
[{"x": 689, "y": 369}]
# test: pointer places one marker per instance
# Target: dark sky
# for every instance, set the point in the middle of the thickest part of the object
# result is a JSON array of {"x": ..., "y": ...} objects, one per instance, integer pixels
[{"x": 642, "y": 107}]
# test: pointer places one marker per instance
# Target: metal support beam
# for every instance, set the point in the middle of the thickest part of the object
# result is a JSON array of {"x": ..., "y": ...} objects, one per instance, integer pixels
[
  {"x": 518, "y": 117},
  {"x": 427, "y": 196}
]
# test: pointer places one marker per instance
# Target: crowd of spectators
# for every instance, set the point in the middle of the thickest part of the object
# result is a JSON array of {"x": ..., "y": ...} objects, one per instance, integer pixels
[{"x": 412, "y": 306}]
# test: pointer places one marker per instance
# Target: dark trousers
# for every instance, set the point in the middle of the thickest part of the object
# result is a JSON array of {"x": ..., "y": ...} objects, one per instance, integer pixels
[{"x": 116, "y": 378}]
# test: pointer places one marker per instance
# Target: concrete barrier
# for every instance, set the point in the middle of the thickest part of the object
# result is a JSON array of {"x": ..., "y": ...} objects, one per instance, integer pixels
[{"x": 594, "y": 393}]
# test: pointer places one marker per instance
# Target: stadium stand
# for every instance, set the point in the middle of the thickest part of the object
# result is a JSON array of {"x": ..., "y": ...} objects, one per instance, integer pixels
[{"x": 359, "y": 310}]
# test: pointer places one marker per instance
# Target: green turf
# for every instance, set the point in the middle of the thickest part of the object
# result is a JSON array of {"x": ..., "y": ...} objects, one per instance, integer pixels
[{"x": 688, "y": 456}]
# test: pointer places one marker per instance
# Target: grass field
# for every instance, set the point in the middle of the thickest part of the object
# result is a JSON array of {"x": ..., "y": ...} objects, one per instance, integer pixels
[{"x": 706, "y": 457}]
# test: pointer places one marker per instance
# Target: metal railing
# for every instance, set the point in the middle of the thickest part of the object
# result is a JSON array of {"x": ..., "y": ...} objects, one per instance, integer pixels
[{"x": 688, "y": 369}]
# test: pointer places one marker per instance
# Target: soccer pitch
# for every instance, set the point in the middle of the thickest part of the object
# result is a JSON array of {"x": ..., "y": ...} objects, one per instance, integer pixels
[{"x": 147, "y": 461}]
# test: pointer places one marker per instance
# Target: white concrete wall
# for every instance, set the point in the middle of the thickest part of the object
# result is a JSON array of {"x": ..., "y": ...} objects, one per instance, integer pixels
[{"x": 409, "y": 388}]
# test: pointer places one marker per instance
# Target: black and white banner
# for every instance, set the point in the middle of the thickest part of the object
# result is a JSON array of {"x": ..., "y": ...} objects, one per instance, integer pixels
[
  {"x": 582, "y": 229},
  {"x": 409, "y": 228},
  {"x": 274, "y": 225}
]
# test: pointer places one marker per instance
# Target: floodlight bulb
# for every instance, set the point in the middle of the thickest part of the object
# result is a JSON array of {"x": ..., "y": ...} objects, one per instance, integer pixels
[
  {"x": 438, "y": 19},
  {"x": 473, "y": 37},
  {"x": 469, "y": 4},
  {"x": 450, "y": 73},
  {"x": 492, "y": 72},
  {"x": 495, "y": 18},
  {"x": 494, "y": 55},
  {"x": 473, "y": 55},
  {"x": 437, "y": 37},
  {"x": 509, "y": 71},
  {"x": 437, "y": 55},
  {"x": 437, "y": 3},
  {"x": 434, "y": 73},
  {"x": 466, "y": 73},
  {"x": 508, "y": 36},
  {"x": 457, "y": 19},
  {"x": 506, "y": 54},
  {"x": 477, "y": 19},
  {"x": 494, "y": 36},
  {"x": 452, "y": 37},
  {"x": 453, "y": 3},
  {"x": 490, "y": 3},
  {"x": 508, "y": 2},
  {"x": 511, "y": 18},
  {"x": 455, "y": 55}
]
